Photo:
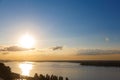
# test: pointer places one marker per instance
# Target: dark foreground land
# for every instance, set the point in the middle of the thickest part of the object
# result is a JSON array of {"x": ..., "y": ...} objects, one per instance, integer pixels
[{"x": 6, "y": 74}]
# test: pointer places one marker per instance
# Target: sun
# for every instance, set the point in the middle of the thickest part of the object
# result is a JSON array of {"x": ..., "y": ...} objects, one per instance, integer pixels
[{"x": 27, "y": 41}]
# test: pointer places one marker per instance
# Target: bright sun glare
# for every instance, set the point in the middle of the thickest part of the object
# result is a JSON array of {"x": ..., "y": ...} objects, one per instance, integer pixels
[
  {"x": 27, "y": 41},
  {"x": 25, "y": 68}
]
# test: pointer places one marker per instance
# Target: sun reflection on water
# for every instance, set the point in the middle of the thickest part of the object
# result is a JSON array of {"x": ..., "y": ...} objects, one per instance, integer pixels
[{"x": 25, "y": 68}]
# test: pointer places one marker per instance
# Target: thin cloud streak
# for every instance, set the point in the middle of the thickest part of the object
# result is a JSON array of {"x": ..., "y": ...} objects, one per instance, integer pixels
[
  {"x": 97, "y": 52},
  {"x": 15, "y": 48},
  {"x": 57, "y": 48}
]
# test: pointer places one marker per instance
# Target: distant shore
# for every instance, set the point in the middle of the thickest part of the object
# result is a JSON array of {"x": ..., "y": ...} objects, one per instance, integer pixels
[
  {"x": 105, "y": 63},
  {"x": 101, "y": 63}
]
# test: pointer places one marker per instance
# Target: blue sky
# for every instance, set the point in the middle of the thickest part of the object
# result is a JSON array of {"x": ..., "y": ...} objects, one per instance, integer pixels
[{"x": 72, "y": 23}]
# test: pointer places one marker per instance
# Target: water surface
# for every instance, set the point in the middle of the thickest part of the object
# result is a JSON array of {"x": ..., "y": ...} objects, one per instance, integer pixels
[{"x": 74, "y": 71}]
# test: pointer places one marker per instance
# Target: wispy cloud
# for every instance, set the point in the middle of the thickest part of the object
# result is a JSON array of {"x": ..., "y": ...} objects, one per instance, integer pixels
[
  {"x": 15, "y": 48},
  {"x": 97, "y": 52},
  {"x": 57, "y": 48}
]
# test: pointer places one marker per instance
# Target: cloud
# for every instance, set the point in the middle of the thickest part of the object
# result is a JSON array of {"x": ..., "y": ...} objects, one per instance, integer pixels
[
  {"x": 97, "y": 52},
  {"x": 57, "y": 48},
  {"x": 15, "y": 48}
]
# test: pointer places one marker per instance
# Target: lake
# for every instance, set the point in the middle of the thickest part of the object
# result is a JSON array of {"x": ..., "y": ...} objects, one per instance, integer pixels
[{"x": 74, "y": 71}]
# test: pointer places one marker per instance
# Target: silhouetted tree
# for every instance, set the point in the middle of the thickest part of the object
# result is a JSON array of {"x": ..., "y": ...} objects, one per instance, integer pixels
[
  {"x": 47, "y": 77},
  {"x": 60, "y": 78},
  {"x": 5, "y": 72},
  {"x": 66, "y": 78},
  {"x": 36, "y": 76}
]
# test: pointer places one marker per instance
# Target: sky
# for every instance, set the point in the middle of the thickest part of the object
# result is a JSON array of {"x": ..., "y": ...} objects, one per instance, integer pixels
[{"x": 77, "y": 28}]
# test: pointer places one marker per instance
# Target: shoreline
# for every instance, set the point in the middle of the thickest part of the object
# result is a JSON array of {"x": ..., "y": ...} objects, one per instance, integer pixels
[{"x": 104, "y": 63}]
